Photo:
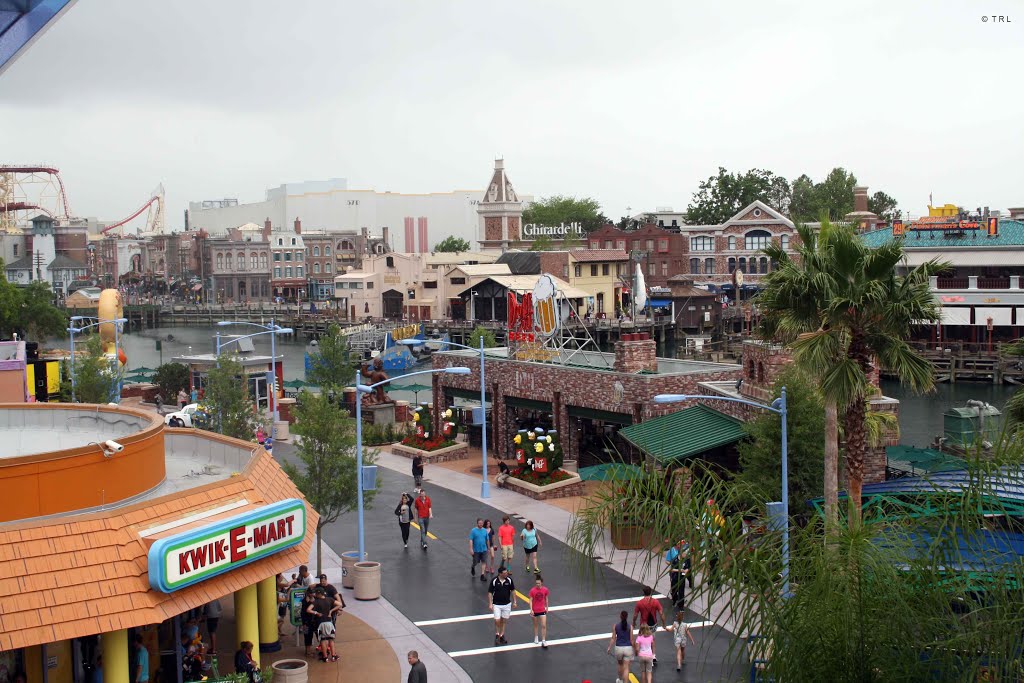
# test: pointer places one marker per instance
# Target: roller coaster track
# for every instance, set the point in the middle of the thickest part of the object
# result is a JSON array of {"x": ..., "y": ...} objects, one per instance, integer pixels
[{"x": 37, "y": 169}]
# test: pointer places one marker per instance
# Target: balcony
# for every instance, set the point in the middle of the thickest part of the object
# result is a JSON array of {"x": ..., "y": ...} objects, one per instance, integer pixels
[{"x": 975, "y": 282}]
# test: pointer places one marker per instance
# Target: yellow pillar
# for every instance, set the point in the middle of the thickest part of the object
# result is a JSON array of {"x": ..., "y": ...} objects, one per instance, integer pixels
[
  {"x": 115, "y": 657},
  {"x": 247, "y": 626},
  {"x": 34, "y": 663},
  {"x": 266, "y": 591}
]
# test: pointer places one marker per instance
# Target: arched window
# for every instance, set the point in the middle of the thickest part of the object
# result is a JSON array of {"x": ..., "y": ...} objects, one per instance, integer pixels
[
  {"x": 379, "y": 249},
  {"x": 751, "y": 373},
  {"x": 327, "y": 267},
  {"x": 760, "y": 373},
  {"x": 732, "y": 264},
  {"x": 316, "y": 267},
  {"x": 346, "y": 245},
  {"x": 241, "y": 260},
  {"x": 253, "y": 261},
  {"x": 695, "y": 266},
  {"x": 732, "y": 242},
  {"x": 709, "y": 266},
  {"x": 743, "y": 264},
  {"x": 228, "y": 262},
  {"x": 757, "y": 239},
  {"x": 316, "y": 251},
  {"x": 763, "y": 264},
  {"x": 220, "y": 261},
  {"x": 327, "y": 250},
  {"x": 263, "y": 260},
  {"x": 784, "y": 242},
  {"x": 702, "y": 244}
]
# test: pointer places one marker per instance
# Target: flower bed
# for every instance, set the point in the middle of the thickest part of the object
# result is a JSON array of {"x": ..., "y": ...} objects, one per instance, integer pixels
[
  {"x": 537, "y": 479},
  {"x": 559, "y": 484},
  {"x": 426, "y": 442}
]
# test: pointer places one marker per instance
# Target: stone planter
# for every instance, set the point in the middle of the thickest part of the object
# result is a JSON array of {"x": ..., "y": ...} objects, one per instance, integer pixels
[
  {"x": 573, "y": 486},
  {"x": 290, "y": 671},
  {"x": 459, "y": 451}
]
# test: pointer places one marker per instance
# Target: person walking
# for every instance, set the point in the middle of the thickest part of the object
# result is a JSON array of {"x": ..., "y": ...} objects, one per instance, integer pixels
[
  {"x": 648, "y": 610},
  {"x": 680, "y": 632},
  {"x": 418, "y": 672},
  {"x": 678, "y": 564},
  {"x": 531, "y": 544},
  {"x": 501, "y": 600},
  {"x": 213, "y": 611},
  {"x": 622, "y": 641},
  {"x": 539, "y": 608},
  {"x": 644, "y": 646},
  {"x": 159, "y": 401},
  {"x": 424, "y": 513},
  {"x": 491, "y": 547},
  {"x": 507, "y": 540},
  {"x": 417, "y": 471},
  {"x": 182, "y": 399},
  {"x": 321, "y": 609},
  {"x": 478, "y": 549},
  {"x": 404, "y": 514}
]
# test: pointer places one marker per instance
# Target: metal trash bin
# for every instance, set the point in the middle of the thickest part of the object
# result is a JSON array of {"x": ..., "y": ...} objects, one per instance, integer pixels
[
  {"x": 291, "y": 671},
  {"x": 367, "y": 580},
  {"x": 348, "y": 560}
]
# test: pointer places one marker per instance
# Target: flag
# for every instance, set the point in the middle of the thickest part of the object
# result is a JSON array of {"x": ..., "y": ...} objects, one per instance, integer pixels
[{"x": 640, "y": 289}]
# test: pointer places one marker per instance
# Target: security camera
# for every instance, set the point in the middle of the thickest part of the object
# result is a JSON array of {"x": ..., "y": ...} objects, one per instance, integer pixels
[{"x": 111, "y": 447}]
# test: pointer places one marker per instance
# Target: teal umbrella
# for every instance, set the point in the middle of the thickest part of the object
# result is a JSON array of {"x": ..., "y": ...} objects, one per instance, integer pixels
[
  {"x": 143, "y": 370},
  {"x": 296, "y": 384},
  {"x": 609, "y": 471},
  {"x": 139, "y": 376},
  {"x": 414, "y": 388}
]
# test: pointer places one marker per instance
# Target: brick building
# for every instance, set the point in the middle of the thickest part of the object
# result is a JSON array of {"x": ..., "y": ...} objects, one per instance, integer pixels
[{"x": 240, "y": 264}]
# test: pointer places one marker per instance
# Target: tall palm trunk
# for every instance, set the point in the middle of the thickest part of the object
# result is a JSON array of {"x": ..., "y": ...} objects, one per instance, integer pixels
[
  {"x": 831, "y": 483},
  {"x": 856, "y": 449}
]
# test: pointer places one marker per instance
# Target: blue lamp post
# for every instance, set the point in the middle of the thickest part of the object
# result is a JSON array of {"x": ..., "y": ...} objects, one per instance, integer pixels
[
  {"x": 366, "y": 389},
  {"x": 485, "y": 486},
  {"x": 73, "y": 330},
  {"x": 778, "y": 406},
  {"x": 271, "y": 329}
]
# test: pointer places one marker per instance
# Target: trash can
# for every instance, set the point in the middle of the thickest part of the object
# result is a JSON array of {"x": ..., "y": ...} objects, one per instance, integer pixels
[
  {"x": 348, "y": 560},
  {"x": 367, "y": 580},
  {"x": 290, "y": 671}
]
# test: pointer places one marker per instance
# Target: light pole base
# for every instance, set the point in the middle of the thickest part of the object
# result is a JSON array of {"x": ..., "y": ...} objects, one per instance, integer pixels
[{"x": 485, "y": 489}]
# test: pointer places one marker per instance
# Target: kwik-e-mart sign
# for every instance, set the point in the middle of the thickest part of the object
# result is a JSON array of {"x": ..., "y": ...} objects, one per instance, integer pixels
[{"x": 193, "y": 556}]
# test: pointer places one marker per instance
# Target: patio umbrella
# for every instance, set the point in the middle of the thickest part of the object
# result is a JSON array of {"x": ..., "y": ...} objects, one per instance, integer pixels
[
  {"x": 609, "y": 471},
  {"x": 414, "y": 388},
  {"x": 135, "y": 375},
  {"x": 143, "y": 370},
  {"x": 296, "y": 384}
]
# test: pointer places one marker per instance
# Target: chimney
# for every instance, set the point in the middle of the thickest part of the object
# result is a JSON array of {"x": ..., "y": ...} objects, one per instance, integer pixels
[
  {"x": 410, "y": 237},
  {"x": 860, "y": 199},
  {"x": 384, "y": 236},
  {"x": 266, "y": 229},
  {"x": 421, "y": 224},
  {"x": 298, "y": 226},
  {"x": 636, "y": 353}
]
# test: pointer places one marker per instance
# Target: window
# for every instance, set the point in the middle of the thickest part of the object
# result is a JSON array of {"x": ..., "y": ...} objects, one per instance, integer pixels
[
  {"x": 230, "y": 287},
  {"x": 607, "y": 244},
  {"x": 277, "y": 256},
  {"x": 316, "y": 267},
  {"x": 389, "y": 261},
  {"x": 664, "y": 268},
  {"x": 565, "y": 271},
  {"x": 784, "y": 242},
  {"x": 316, "y": 251},
  {"x": 663, "y": 246},
  {"x": 675, "y": 222},
  {"x": 732, "y": 264},
  {"x": 709, "y": 266},
  {"x": 635, "y": 245},
  {"x": 757, "y": 239},
  {"x": 620, "y": 244},
  {"x": 340, "y": 285},
  {"x": 743, "y": 264},
  {"x": 327, "y": 250},
  {"x": 346, "y": 245},
  {"x": 702, "y": 244},
  {"x": 327, "y": 267},
  {"x": 300, "y": 272},
  {"x": 430, "y": 284},
  {"x": 228, "y": 262},
  {"x": 763, "y": 264},
  {"x": 595, "y": 244},
  {"x": 293, "y": 241},
  {"x": 220, "y": 261},
  {"x": 649, "y": 245},
  {"x": 695, "y": 266},
  {"x": 277, "y": 272},
  {"x": 15, "y": 250},
  {"x": 288, "y": 271},
  {"x": 577, "y": 270},
  {"x": 287, "y": 256},
  {"x": 369, "y": 285},
  {"x": 650, "y": 269},
  {"x": 732, "y": 242},
  {"x": 458, "y": 280},
  {"x": 300, "y": 256},
  {"x": 593, "y": 270},
  {"x": 618, "y": 270},
  {"x": 253, "y": 261},
  {"x": 605, "y": 269},
  {"x": 263, "y": 260}
]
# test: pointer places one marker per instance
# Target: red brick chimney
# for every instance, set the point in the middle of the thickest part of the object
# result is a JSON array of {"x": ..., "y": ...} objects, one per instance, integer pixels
[
  {"x": 860, "y": 198},
  {"x": 266, "y": 229},
  {"x": 298, "y": 226},
  {"x": 636, "y": 353}
]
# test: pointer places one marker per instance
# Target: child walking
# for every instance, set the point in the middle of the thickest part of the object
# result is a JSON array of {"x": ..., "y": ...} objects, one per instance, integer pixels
[{"x": 680, "y": 632}]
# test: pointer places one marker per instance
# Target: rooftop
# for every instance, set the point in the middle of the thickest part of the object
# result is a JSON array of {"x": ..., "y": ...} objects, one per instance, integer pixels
[
  {"x": 1011, "y": 234},
  {"x": 598, "y": 361},
  {"x": 597, "y": 255}
]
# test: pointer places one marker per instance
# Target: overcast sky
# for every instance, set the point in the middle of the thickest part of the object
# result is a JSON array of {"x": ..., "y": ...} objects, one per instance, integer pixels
[{"x": 632, "y": 103}]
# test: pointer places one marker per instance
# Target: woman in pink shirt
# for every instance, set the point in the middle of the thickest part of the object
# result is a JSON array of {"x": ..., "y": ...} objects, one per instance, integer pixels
[
  {"x": 539, "y": 607},
  {"x": 644, "y": 647}
]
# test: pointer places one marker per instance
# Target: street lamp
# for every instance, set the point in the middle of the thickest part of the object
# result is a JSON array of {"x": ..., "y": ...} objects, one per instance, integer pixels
[
  {"x": 366, "y": 389},
  {"x": 778, "y": 406},
  {"x": 271, "y": 329},
  {"x": 485, "y": 486},
  {"x": 73, "y": 330}
]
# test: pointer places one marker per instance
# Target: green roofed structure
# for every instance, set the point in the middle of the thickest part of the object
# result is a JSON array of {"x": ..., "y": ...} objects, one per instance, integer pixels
[{"x": 671, "y": 439}]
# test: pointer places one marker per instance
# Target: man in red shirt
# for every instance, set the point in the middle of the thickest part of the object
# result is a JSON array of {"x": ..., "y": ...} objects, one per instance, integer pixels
[
  {"x": 507, "y": 540},
  {"x": 649, "y": 610},
  {"x": 424, "y": 512}
]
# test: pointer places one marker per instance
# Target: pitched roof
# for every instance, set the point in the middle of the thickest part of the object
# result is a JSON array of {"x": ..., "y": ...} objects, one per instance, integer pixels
[
  {"x": 77, "y": 575},
  {"x": 526, "y": 283},
  {"x": 689, "y": 432},
  {"x": 484, "y": 269},
  {"x": 521, "y": 262},
  {"x": 758, "y": 204},
  {"x": 1011, "y": 234},
  {"x": 62, "y": 262},
  {"x": 24, "y": 263},
  {"x": 592, "y": 255}
]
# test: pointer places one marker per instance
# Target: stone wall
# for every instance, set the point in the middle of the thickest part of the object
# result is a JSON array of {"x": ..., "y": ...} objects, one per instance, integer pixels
[
  {"x": 576, "y": 488},
  {"x": 459, "y": 451},
  {"x": 636, "y": 353}
]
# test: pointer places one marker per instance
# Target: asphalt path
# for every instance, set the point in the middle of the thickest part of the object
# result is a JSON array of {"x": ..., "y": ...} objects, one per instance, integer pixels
[{"x": 435, "y": 590}]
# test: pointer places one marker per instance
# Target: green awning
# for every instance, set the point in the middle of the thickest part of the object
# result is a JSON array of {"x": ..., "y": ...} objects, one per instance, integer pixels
[
  {"x": 602, "y": 415},
  {"x": 468, "y": 394},
  {"x": 921, "y": 460},
  {"x": 680, "y": 435},
  {"x": 528, "y": 403}
]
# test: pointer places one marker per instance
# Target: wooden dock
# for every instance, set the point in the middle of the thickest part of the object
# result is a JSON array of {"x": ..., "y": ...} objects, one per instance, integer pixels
[{"x": 967, "y": 362}]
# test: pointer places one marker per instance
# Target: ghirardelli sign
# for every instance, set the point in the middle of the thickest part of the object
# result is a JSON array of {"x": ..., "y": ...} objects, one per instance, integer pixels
[{"x": 531, "y": 230}]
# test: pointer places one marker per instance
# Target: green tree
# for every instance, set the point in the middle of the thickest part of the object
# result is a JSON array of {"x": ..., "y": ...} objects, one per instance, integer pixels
[
  {"x": 227, "y": 399},
  {"x": 844, "y": 309},
  {"x": 721, "y": 197},
  {"x": 451, "y": 243},
  {"x": 835, "y": 193},
  {"x": 560, "y": 209},
  {"x": 883, "y": 206},
  {"x": 29, "y": 311},
  {"x": 171, "y": 378},
  {"x": 761, "y": 453},
  {"x": 474, "y": 338},
  {"x": 804, "y": 205},
  {"x": 332, "y": 366},
  {"x": 327, "y": 453},
  {"x": 96, "y": 380},
  {"x": 542, "y": 243}
]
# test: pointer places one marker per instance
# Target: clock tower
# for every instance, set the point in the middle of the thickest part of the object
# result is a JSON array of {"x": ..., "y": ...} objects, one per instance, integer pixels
[{"x": 500, "y": 211}]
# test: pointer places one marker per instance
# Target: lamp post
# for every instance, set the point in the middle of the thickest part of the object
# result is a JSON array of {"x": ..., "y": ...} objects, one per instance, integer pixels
[
  {"x": 366, "y": 389},
  {"x": 271, "y": 329},
  {"x": 485, "y": 486},
  {"x": 472, "y": 305},
  {"x": 73, "y": 330},
  {"x": 778, "y": 406}
]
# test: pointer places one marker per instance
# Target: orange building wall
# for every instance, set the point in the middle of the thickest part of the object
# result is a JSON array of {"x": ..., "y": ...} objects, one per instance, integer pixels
[{"x": 12, "y": 386}]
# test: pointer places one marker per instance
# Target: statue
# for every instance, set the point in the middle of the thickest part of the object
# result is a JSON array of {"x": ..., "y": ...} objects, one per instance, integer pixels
[{"x": 374, "y": 373}]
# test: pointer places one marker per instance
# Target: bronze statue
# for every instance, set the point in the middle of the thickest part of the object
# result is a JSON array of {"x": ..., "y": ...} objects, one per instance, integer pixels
[{"x": 374, "y": 373}]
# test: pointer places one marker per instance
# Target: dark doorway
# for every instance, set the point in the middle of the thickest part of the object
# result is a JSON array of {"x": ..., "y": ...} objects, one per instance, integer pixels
[{"x": 392, "y": 304}]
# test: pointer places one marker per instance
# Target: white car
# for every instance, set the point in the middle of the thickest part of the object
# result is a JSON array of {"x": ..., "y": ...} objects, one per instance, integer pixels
[{"x": 185, "y": 414}]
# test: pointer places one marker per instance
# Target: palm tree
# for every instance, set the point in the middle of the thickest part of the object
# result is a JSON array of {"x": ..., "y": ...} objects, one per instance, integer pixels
[{"x": 843, "y": 308}]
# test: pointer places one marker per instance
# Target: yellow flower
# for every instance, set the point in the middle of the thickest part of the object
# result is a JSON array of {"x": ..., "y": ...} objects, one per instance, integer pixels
[
  {"x": 539, "y": 447},
  {"x": 517, "y": 439},
  {"x": 416, "y": 417},
  {"x": 448, "y": 413},
  {"x": 549, "y": 438}
]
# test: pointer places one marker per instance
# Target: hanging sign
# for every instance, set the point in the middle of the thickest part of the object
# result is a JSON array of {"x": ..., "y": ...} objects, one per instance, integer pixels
[{"x": 199, "y": 554}]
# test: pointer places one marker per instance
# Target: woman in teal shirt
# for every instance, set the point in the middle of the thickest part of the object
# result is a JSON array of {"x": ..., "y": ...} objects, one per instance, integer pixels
[{"x": 531, "y": 544}]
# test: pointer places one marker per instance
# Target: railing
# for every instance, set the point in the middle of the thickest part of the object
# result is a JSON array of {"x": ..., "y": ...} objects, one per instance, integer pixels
[
  {"x": 993, "y": 283},
  {"x": 953, "y": 283}
]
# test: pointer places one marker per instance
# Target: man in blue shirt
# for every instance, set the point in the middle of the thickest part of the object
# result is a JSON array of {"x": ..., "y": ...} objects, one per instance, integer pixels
[
  {"x": 141, "y": 661},
  {"x": 678, "y": 561},
  {"x": 478, "y": 539}
]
